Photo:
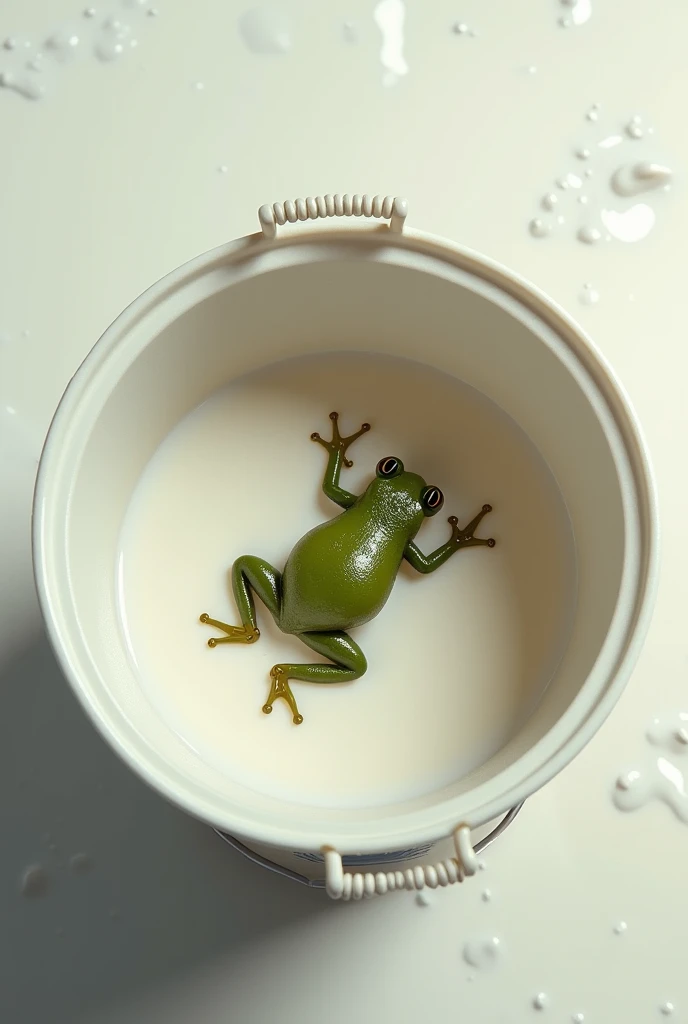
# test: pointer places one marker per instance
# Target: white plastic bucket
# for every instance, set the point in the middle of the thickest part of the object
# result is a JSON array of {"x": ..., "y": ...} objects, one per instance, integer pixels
[{"x": 384, "y": 294}]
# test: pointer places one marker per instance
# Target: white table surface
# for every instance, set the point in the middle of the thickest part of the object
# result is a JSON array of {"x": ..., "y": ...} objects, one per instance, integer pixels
[{"x": 126, "y": 169}]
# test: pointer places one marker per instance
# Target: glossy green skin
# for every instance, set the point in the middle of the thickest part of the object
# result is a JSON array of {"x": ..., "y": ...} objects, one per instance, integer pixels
[{"x": 340, "y": 574}]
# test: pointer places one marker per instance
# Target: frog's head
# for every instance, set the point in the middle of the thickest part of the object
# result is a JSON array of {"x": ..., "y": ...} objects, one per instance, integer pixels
[{"x": 411, "y": 497}]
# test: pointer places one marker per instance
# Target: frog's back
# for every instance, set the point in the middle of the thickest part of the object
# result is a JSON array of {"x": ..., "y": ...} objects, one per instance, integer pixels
[{"x": 340, "y": 574}]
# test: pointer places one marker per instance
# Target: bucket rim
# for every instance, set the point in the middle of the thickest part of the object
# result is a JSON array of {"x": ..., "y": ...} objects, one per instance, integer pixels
[{"x": 438, "y": 821}]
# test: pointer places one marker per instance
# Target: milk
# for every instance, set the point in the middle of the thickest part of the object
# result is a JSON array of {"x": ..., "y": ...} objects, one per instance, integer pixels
[{"x": 456, "y": 659}]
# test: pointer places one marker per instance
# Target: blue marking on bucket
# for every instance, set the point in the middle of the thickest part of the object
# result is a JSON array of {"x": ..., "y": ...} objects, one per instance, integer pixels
[{"x": 353, "y": 860}]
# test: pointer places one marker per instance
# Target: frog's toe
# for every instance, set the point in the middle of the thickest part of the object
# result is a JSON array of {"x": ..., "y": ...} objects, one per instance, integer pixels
[{"x": 233, "y": 634}]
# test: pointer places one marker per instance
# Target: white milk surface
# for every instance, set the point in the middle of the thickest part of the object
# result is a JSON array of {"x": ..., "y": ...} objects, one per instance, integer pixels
[{"x": 456, "y": 660}]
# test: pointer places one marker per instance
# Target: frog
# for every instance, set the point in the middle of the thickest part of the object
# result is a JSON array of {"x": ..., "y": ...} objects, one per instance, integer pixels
[{"x": 341, "y": 573}]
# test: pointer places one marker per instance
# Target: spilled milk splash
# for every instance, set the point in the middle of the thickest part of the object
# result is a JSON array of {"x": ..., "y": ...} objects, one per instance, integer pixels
[
  {"x": 484, "y": 953},
  {"x": 31, "y": 69},
  {"x": 605, "y": 209},
  {"x": 658, "y": 778}
]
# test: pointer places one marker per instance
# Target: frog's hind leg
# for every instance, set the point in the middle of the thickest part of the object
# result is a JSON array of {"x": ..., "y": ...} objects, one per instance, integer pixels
[
  {"x": 248, "y": 573},
  {"x": 349, "y": 663}
]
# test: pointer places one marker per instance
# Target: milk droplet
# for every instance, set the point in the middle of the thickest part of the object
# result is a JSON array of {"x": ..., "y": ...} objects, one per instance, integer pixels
[
  {"x": 667, "y": 1009},
  {"x": 565, "y": 22},
  {"x": 589, "y": 235},
  {"x": 592, "y": 114},
  {"x": 265, "y": 30},
  {"x": 669, "y": 730},
  {"x": 634, "y": 128},
  {"x": 109, "y": 51},
  {"x": 644, "y": 176},
  {"x": 152, "y": 12},
  {"x": 483, "y": 954},
  {"x": 90, "y": 12},
  {"x": 423, "y": 898},
  {"x": 223, "y": 168},
  {"x": 486, "y": 895},
  {"x": 583, "y": 200},
  {"x": 390, "y": 16},
  {"x": 24, "y": 86},
  {"x": 113, "y": 40},
  {"x": 625, "y": 782},
  {"x": 588, "y": 295},
  {"x": 588, "y": 172},
  {"x": 610, "y": 141},
  {"x": 540, "y": 1001},
  {"x": 578, "y": 1018},
  {"x": 63, "y": 45},
  {"x": 629, "y": 225},
  {"x": 34, "y": 882},
  {"x": 569, "y": 181},
  {"x": 10, "y": 43},
  {"x": 80, "y": 863},
  {"x": 199, "y": 86},
  {"x": 349, "y": 32},
  {"x": 482, "y": 865},
  {"x": 581, "y": 10},
  {"x": 583, "y": 153},
  {"x": 540, "y": 228},
  {"x": 661, "y": 780},
  {"x": 620, "y": 927},
  {"x": 460, "y": 28},
  {"x": 549, "y": 201}
]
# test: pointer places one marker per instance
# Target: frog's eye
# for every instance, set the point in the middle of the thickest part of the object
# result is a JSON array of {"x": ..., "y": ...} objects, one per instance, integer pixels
[
  {"x": 389, "y": 467},
  {"x": 432, "y": 500}
]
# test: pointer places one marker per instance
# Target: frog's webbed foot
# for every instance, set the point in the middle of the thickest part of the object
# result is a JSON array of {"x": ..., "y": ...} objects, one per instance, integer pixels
[
  {"x": 339, "y": 443},
  {"x": 463, "y": 538},
  {"x": 280, "y": 688},
  {"x": 234, "y": 634}
]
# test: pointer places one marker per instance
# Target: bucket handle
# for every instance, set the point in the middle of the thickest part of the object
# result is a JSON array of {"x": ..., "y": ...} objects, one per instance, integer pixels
[
  {"x": 391, "y": 208},
  {"x": 341, "y": 885},
  {"x": 405, "y": 879}
]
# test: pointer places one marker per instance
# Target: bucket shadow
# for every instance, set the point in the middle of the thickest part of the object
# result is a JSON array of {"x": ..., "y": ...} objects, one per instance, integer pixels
[{"x": 132, "y": 891}]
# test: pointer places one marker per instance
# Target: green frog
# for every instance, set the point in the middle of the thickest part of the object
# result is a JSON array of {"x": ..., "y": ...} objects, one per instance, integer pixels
[{"x": 340, "y": 574}]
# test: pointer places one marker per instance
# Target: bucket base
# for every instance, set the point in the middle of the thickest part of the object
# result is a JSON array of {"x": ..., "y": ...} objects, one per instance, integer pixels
[{"x": 308, "y": 868}]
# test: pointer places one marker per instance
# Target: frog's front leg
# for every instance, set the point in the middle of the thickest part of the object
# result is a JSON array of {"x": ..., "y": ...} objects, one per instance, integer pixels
[
  {"x": 459, "y": 539},
  {"x": 349, "y": 663},
  {"x": 249, "y": 573},
  {"x": 337, "y": 448}
]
